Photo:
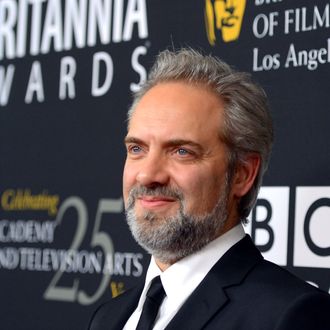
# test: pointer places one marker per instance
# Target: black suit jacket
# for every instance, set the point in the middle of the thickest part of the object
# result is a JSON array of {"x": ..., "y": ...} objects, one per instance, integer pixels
[{"x": 241, "y": 292}]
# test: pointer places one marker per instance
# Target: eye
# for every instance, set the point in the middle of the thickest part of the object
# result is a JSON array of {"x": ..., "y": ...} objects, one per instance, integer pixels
[
  {"x": 134, "y": 149},
  {"x": 183, "y": 152}
]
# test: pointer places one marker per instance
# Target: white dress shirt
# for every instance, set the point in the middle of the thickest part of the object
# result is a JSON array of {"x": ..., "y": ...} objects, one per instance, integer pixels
[{"x": 182, "y": 278}]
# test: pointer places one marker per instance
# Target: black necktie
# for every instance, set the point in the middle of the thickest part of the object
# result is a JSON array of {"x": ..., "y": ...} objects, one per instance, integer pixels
[{"x": 154, "y": 298}]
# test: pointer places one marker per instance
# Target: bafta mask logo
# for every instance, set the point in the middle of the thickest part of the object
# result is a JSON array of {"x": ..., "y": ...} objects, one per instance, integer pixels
[{"x": 224, "y": 16}]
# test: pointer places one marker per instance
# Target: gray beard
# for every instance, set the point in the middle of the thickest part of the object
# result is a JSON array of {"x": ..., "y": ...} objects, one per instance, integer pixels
[{"x": 172, "y": 238}]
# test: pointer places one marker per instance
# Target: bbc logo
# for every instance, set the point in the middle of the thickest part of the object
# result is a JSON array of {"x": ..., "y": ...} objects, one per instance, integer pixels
[{"x": 269, "y": 225}]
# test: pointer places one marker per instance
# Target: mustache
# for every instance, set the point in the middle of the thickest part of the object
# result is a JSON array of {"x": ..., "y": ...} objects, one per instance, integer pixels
[{"x": 139, "y": 191}]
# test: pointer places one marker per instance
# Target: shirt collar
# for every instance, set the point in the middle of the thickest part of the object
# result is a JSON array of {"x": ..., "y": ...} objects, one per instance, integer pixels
[{"x": 182, "y": 278}]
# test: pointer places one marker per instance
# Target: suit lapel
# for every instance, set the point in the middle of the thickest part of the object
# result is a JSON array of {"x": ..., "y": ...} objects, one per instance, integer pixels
[
  {"x": 119, "y": 309},
  {"x": 204, "y": 302},
  {"x": 210, "y": 296}
]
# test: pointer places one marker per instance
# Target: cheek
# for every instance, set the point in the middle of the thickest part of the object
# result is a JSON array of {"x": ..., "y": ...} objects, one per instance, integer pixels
[
  {"x": 128, "y": 180},
  {"x": 201, "y": 189}
]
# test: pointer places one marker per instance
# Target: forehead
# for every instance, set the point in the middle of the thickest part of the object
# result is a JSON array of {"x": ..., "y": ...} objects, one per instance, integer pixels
[{"x": 178, "y": 107}]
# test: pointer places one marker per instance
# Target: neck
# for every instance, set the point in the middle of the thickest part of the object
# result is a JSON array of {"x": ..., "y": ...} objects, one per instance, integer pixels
[
  {"x": 163, "y": 266},
  {"x": 227, "y": 226}
]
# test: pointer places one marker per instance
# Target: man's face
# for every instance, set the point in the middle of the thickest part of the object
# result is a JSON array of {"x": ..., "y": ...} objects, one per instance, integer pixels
[{"x": 176, "y": 164}]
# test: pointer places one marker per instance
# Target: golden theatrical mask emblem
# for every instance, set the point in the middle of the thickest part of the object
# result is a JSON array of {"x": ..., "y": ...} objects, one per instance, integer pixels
[{"x": 225, "y": 16}]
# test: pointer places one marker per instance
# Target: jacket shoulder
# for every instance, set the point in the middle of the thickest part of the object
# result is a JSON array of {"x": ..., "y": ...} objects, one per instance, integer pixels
[{"x": 307, "y": 311}]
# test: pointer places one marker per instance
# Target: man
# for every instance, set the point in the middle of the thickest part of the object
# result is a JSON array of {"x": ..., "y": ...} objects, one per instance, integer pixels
[{"x": 198, "y": 143}]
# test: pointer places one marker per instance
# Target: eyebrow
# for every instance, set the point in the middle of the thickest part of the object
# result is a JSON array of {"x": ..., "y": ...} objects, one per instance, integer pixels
[
  {"x": 181, "y": 142},
  {"x": 130, "y": 139},
  {"x": 169, "y": 143}
]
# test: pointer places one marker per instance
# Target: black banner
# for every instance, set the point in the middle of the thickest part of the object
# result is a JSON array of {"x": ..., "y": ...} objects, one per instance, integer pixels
[{"x": 67, "y": 71}]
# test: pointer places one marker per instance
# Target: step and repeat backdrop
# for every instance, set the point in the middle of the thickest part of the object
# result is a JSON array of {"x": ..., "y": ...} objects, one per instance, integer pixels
[{"x": 67, "y": 72}]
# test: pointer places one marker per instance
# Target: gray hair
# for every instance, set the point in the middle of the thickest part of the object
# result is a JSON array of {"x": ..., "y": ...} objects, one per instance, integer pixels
[{"x": 247, "y": 126}]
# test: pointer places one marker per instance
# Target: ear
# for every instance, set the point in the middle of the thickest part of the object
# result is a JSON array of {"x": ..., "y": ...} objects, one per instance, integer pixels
[{"x": 245, "y": 175}]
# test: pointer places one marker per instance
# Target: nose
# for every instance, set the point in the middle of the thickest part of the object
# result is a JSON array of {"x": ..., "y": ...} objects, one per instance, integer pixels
[{"x": 153, "y": 171}]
